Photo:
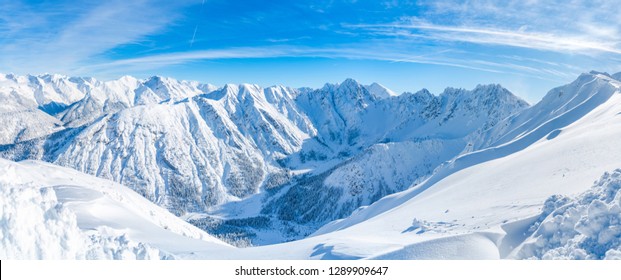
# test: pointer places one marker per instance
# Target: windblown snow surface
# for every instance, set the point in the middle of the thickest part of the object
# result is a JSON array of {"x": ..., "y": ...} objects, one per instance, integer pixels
[
  {"x": 522, "y": 188},
  {"x": 51, "y": 212}
]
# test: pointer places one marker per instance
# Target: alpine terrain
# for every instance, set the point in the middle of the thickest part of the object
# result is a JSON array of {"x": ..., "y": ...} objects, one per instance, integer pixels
[{"x": 168, "y": 169}]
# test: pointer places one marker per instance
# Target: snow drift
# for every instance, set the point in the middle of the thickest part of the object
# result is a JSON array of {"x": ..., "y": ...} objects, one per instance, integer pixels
[
  {"x": 585, "y": 227},
  {"x": 51, "y": 212}
]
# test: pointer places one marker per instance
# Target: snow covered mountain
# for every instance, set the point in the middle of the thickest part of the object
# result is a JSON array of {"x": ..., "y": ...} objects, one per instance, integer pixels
[
  {"x": 410, "y": 135},
  {"x": 77, "y": 101},
  {"x": 179, "y": 154},
  {"x": 494, "y": 196},
  {"x": 259, "y": 166},
  {"x": 26, "y": 102},
  {"x": 188, "y": 146}
]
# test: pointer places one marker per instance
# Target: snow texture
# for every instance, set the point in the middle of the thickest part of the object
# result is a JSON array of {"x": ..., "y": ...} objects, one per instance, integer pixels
[
  {"x": 36, "y": 226},
  {"x": 50, "y": 212},
  {"x": 585, "y": 227}
]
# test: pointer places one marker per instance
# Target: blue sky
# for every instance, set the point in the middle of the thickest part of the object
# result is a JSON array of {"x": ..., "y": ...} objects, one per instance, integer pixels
[{"x": 528, "y": 46}]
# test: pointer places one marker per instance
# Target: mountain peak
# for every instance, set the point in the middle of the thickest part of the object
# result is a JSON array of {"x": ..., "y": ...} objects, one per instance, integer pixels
[
  {"x": 594, "y": 86},
  {"x": 239, "y": 91},
  {"x": 52, "y": 77},
  {"x": 9, "y": 76},
  {"x": 493, "y": 90},
  {"x": 155, "y": 80},
  {"x": 349, "y": 81},
  {"x": 593, "y": 72},
  {"x": 249, "y": 87},
  {"x": 127, "y": 78},
  {"x": 230, "y": 88},
  {"x": 602, "y": 76},
  {"x": 380, "y": 91},
  {"x": 424, "y": 93},
  {"x": 491, "y": 87}
]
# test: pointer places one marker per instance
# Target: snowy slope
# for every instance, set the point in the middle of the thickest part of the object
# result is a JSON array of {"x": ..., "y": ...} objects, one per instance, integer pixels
[
  {"x": 580, "y": 97},
  {"x": 68, "y": 215},
  {"x": 24, "y": 124},
  {"x": 50, "y": 212},
  {"x": 476, "y": 194}
]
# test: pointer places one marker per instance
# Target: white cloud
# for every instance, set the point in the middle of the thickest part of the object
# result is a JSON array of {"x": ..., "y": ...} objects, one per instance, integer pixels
[
  {"x": 576, "y": 23},
  {"x": 481, "y": 35},
  {"x": 452, "y": 58},
  {"x": 556, "y": 39},
  {"x": 61, "y": 36}
]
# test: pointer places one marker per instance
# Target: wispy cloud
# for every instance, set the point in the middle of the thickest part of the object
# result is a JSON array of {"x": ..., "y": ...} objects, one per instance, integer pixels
[
  {"x": 578, "y": 26},
  {"x": 553, "y": 39},
  {"x": 452, "y": 58},
  {"x": 174, "y": 58},
  {"x": 63, "y": 35},
  {"x": 482, "y": 35}
]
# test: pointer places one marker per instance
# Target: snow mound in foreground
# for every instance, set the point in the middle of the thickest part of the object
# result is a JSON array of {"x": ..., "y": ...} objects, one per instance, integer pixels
[
  {"x": 34, "y": 225},
  {"x": 585, "y": 227}
]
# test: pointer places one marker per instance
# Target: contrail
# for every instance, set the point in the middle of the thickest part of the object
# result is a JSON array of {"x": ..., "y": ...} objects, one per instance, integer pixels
[
  {"x": 193, "y": 36},
  {"x": 196, "y": 27}
]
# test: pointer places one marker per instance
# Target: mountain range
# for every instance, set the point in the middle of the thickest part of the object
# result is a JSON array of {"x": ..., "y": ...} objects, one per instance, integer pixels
[{"x": 345, "y": 171}]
